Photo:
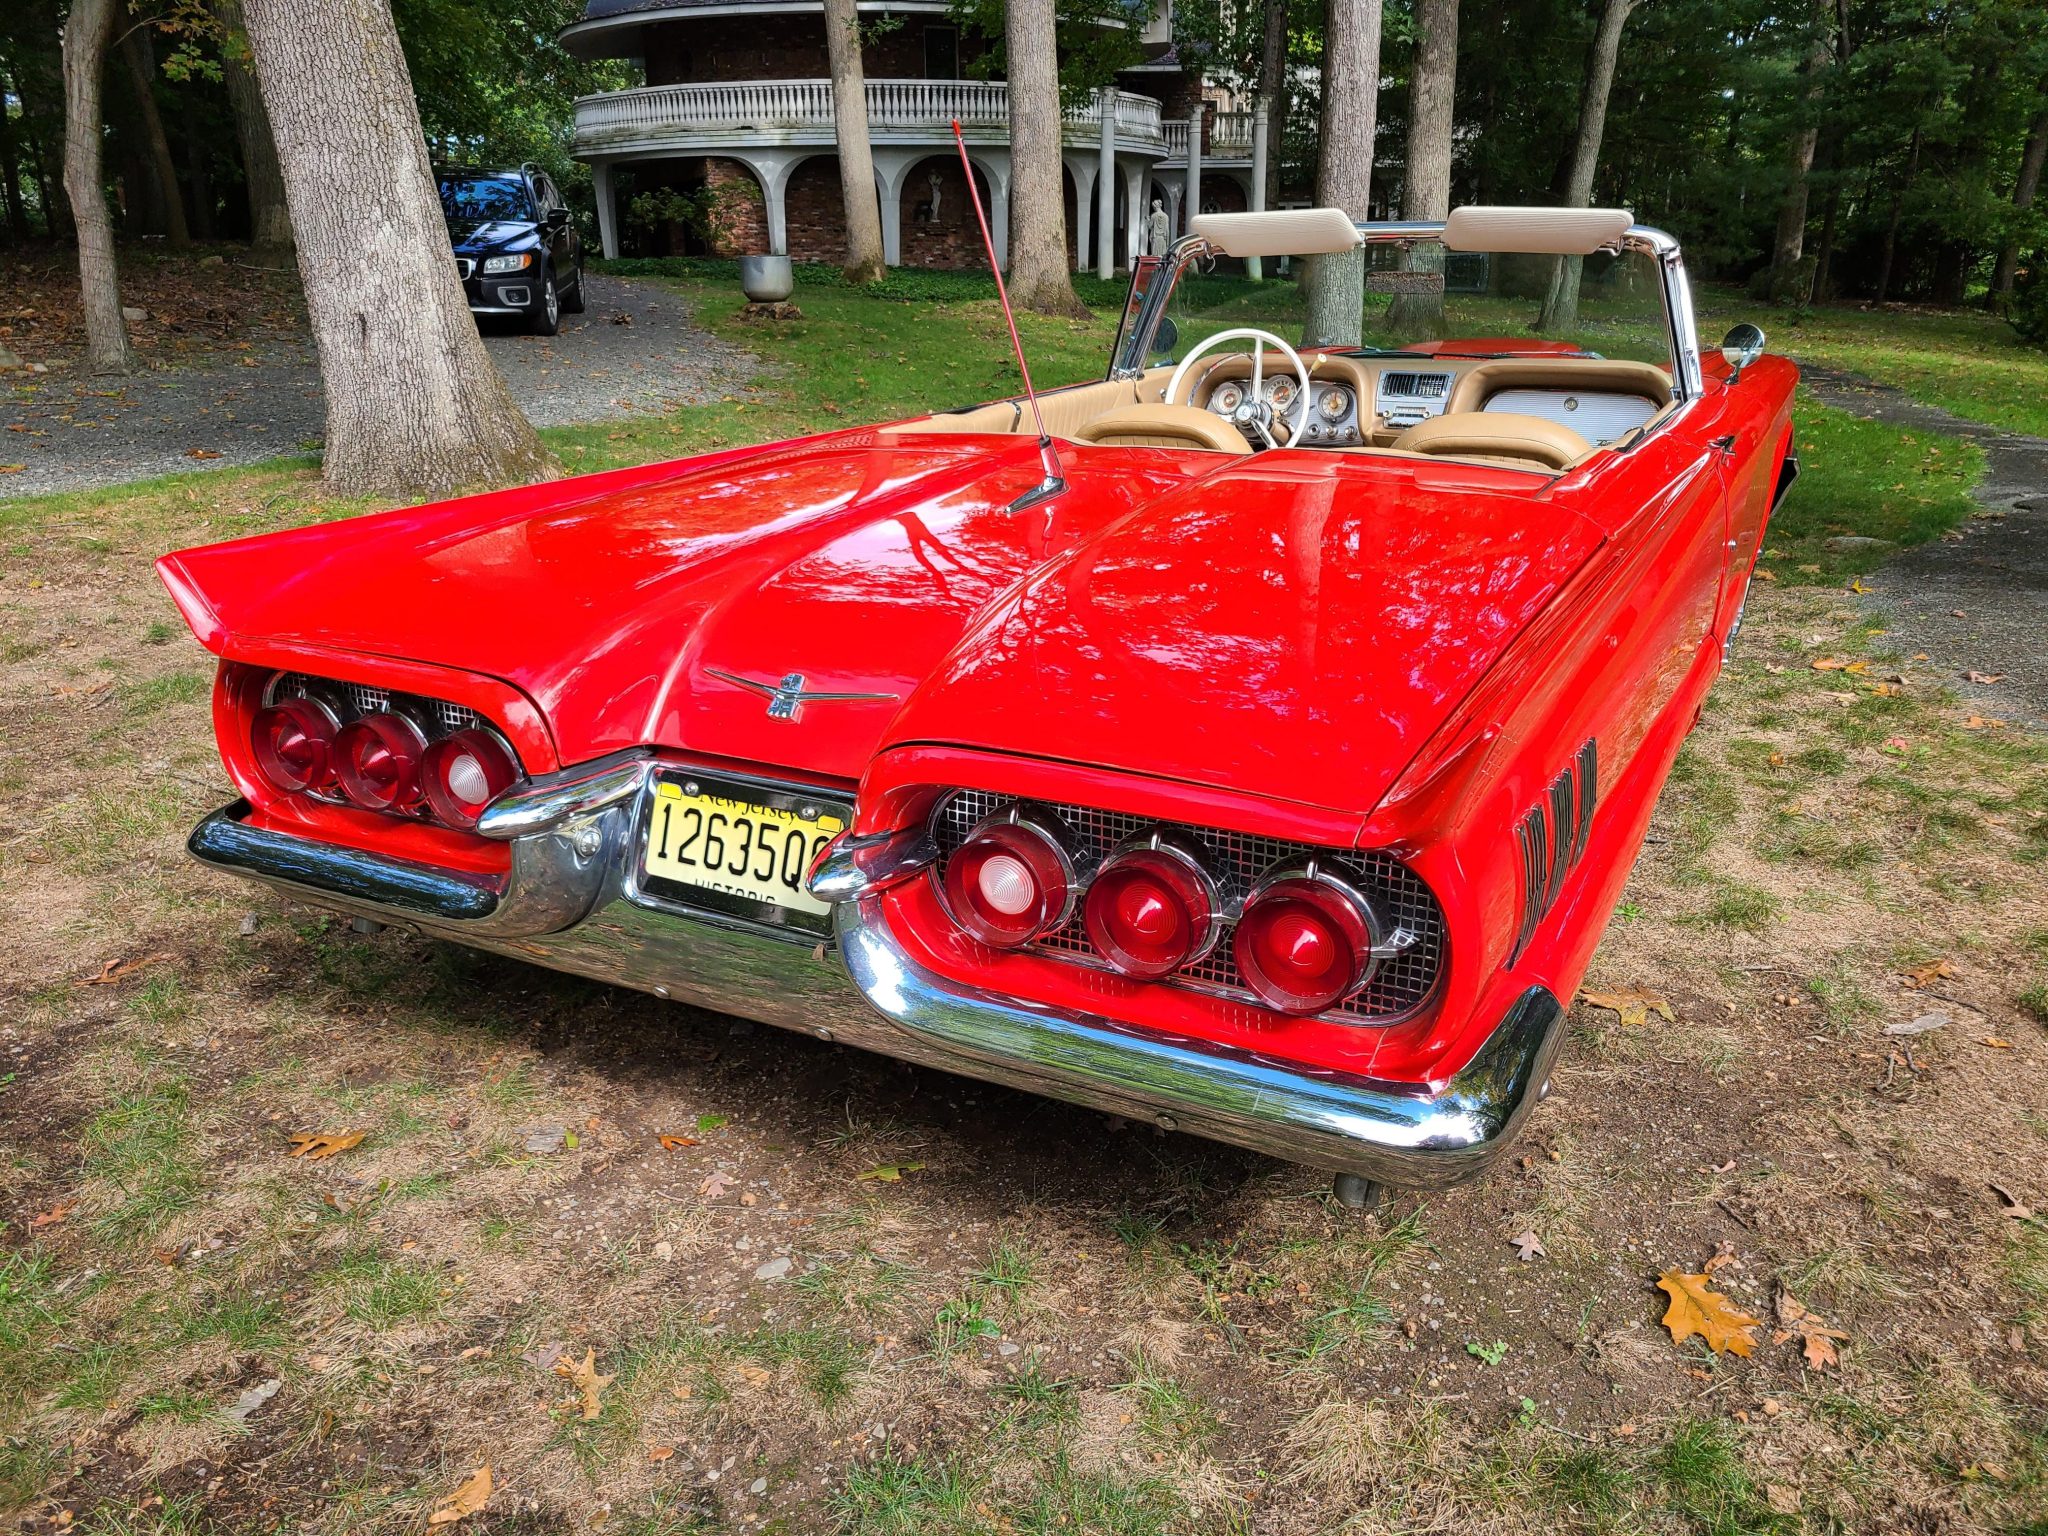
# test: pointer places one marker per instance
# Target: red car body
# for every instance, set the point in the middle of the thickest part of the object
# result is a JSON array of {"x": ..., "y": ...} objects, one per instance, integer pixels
[{"x": 1448, "y": 672}]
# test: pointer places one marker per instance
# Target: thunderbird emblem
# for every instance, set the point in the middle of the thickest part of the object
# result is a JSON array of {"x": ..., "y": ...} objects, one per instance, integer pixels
[{"x": 787, "y": 698}]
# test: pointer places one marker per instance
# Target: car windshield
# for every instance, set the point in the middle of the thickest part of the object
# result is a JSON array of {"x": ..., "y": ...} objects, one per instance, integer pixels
[
  {"x": 484, "y": 197},
  {"x": 1415, "y": 294}
]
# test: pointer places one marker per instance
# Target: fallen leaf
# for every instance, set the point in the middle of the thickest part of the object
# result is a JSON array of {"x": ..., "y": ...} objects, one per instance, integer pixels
[
  {"x": 114, "y": 970},
  {"x": 1934, "y": 970},
  {"x": 756, "y": 1376},
  {"x": 240, "y": 1409},
  {"x": 12, "y": 469},
  {"x": 2015, "y": 1208},
  {"x": 1724, "y": 1255},
  {"x": 1529, "y": 1246},
  {"x": 1696, "y": 1308},
  {"x": 1983, "y": 723},
  {"x": 673, "y": 1143},
  {"x": 1856, "y": 584},
  {"x": 470, "y": 1495},
  {"x": 660, "y": 1452},
  {"x": 588, "y": 1383},
  {"x": 711, "y": 1122},
  {"x": 315, "y": 1145},
  {"x": 715, "y": 1185},
  {"x": 1818, "y": 1340},
  {"x": 1777, "y": 759},
  {"x": 1984, "y": 677},
  {"x": 1632, "y": 1005},
  {"x": 1830, "y": 663},
  {"x": 1994, "y": 1042},
  {"x": 201, "y": 453},
  {"x": 889, "y": 1173},
  {"x": 51, "y": 1217}
]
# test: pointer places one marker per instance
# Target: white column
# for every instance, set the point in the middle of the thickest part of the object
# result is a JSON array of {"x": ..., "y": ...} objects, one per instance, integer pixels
[
  {"x": 1134, "y": 214},
  {"x": 1173, "y": 219},
  {"x": 607, "y": 213},
  {"x": 999, "y": 210},
  {"x": 1084, "y": 203},
  {"x": 1192, "y": 199},
  {"x": 891, "y": 167},
  {"x": 1254, "y": 268},
  {"x": 1105, "y": 188},
  {"x": 774, "y": 171}
]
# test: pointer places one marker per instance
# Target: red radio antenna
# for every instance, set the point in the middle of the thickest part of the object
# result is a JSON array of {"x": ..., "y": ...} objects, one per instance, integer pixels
[{"x": 1054, "y": 482}]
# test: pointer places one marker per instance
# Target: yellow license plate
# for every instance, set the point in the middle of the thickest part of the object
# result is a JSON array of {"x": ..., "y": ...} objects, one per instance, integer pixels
[{"x": 736, "y": 847}]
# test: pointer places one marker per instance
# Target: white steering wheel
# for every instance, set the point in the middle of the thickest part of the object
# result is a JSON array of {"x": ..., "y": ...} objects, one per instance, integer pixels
[{"x": 1254, "y": 411}]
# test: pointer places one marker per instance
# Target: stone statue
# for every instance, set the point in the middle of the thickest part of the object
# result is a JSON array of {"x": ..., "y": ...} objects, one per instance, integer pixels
[
  {"x": 1159, "y": 230},
  {"x": 928, "y": 212}
]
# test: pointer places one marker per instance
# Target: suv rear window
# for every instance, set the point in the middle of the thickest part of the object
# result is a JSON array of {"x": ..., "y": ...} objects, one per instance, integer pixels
[{"x": 485, "y": 197}]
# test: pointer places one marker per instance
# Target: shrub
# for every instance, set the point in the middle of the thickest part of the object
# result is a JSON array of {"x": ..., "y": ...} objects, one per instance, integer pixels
[{"x": 2029, "y": 312}]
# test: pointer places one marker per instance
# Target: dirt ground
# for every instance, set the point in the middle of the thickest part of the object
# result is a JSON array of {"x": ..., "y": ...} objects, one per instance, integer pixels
[{"x": 1043, "y": 1321}]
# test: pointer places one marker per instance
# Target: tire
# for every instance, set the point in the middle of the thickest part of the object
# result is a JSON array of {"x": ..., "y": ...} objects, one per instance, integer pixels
[
  {"x": 572, "y": 301},
  {"x": 545, "y": 318}
]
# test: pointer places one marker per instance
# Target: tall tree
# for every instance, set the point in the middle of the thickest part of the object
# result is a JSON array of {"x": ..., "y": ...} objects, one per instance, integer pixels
[
  {"x": 1561, "y": 304},
  {"x": 414, "y": 406},
  {"x": 1351, "y": 93},
  {"x": 140, "y": 58},
  {"x": 1788, "y": 248},
  {"x": 87, "y": 31},
  {"x": 1273, "y": 93},
  {"x": 270, "y": 217},
  {"x": 1038, "y": 276},
  {"x": 2029, "y": 183},
  {"x": 850, "y": 125},
  {"x": 1426, "y": 182}
]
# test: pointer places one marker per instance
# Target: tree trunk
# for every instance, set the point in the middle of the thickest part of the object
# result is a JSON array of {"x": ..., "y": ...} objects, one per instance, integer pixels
[
  {"x": 1273, "y": 94},
  {"x": 1039, "y": 278},
  {"x": 12, "y": 169},
  {"x": 856, "y": 161},
  {"x": 2031, "y": 159},
  {"x": 1561, "y": 303},
  {"x": 139, "y": 58},
  {"x": 270, "y": 219},
  {"x": 1789, "y": 246},
  {"x": 1891, "y": 228},
  {"x": 1426, "y": 186},
  {"x": 87, "y": 31},
  {"x": 1351, "y": 93},
  {"x": 414, "y": 406}
]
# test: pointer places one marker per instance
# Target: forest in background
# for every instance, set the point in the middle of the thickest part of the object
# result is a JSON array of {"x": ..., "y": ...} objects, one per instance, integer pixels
[{"x": 1908, "y": 138}]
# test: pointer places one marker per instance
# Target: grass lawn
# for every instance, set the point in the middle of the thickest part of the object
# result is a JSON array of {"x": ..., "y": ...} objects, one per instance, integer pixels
[{"x": 1047, "y": 1323}]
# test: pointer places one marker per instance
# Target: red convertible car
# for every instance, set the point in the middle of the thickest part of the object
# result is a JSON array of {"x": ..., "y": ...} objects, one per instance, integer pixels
[{"x": 1258, "y": 752}]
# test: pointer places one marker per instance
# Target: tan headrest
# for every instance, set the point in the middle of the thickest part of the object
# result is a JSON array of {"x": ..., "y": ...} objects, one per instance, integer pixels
[
  {"x": 1495, "y": 435},
  {"x": 1164, "y": 426}
]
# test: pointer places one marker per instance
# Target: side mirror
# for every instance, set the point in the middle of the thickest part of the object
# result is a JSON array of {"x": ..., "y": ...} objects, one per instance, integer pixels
[
  {"x": 1741, "y": 347},
  {"x": 1166, "y": 337},
  {"x": 557, "y": 217}
]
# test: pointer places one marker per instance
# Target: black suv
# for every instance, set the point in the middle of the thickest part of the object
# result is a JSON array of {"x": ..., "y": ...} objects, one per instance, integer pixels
[{"x": 515, "y": 249}]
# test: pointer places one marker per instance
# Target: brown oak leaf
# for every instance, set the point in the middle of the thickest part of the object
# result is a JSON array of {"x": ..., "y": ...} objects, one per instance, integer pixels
[
  {"x": 1529, "y": 1247},
  {"x": 584, "y": 1377},
  {"x": 1932, "y": 971},
  {"x": 715, "y": 1185},
  {"x": 51, "y": 1217},
  {"x": 1817, "y": 1339},
  {"x": 470, "y": 1495},
  {"x": 674, "y": 1143},
  {"x": 1697, "y": 1308},
  {"x": 115, "y": 970},
  {"x": 1632, "y": 1005},
  {"x": 314, "y": 1145}
]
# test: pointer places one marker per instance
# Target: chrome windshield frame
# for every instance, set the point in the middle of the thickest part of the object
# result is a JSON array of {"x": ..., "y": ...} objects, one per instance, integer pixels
[{"x": 1134, "y": 341}]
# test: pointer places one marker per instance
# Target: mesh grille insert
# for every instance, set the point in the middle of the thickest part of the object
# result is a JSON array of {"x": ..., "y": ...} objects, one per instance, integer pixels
[{"x": 1400, "y": 985}]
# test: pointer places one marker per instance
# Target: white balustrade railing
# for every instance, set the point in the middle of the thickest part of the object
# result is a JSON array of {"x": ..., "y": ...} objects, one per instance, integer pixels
[
  {"x": 1229, "y": 137},
  {"x": 804, "y": 108}
]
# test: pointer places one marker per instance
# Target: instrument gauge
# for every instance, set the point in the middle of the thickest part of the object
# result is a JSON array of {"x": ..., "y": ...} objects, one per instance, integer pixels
[
  {"x": 1335, "y": 404},
  {"x": 1281, "y": 392},
  {"x": 1228, "y": 396}
]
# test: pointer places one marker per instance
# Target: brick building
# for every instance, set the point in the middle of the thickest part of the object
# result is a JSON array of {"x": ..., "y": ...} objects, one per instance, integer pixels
[{"x": 728, "y": 145}]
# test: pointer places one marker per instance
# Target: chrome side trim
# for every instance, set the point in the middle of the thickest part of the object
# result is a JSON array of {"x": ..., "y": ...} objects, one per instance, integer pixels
[{"x": 851, "y": 866}]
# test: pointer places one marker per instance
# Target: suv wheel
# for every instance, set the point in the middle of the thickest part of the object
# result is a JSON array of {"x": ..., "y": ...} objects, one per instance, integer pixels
[
  {"x": 546, "y": 318},
  {"x": 572, "y": 301}
]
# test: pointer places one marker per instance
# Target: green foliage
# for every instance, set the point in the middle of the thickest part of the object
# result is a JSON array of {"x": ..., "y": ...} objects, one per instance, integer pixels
[
  {"x": 2029, "y": 312},
  {"x": 1096, "y": 38}
]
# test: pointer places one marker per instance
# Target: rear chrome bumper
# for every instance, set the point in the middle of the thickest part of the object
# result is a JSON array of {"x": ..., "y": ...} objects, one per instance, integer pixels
[{"x": 567, "y": 903}]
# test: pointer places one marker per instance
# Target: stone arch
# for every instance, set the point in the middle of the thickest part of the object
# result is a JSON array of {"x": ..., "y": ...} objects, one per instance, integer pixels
[{"x": 937, "y": 221}]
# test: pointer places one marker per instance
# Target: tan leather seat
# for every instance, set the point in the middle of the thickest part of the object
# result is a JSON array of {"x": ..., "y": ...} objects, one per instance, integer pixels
[
  {"x": 1163, "y": 426},
  {"x": 1502, "y": 437}
]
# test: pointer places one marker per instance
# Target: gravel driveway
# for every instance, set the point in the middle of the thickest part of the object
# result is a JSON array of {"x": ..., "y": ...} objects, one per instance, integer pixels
[{"x": 633, "y": 349}]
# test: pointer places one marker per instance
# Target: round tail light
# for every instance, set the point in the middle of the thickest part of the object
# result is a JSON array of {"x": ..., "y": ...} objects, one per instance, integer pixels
[
  {"x": 463, "y": 773},
  {"x": 1014, "y": 878},
  {"x": 1152, "y": 909},
  {"x": 377, "y": 759},
  {"x": 1306, "y": 940},
  {"x": 294, "y": 745}
]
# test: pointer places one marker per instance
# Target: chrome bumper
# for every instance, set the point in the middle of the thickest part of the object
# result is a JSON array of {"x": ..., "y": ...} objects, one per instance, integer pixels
[{"x": 568, "y": 903}]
